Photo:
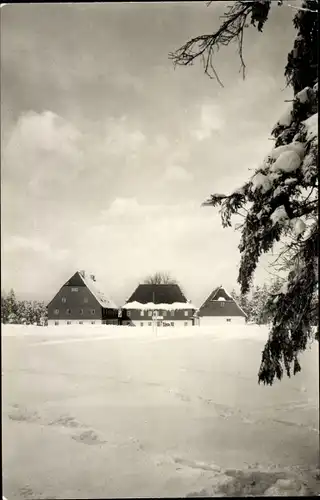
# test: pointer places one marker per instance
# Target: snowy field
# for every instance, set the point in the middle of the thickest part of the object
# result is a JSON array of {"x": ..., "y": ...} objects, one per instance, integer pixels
[{"x": 96, "y": 412}]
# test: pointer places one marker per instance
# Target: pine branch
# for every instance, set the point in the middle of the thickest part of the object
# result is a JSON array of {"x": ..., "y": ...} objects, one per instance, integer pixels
[{"x": 230, "y": 31}]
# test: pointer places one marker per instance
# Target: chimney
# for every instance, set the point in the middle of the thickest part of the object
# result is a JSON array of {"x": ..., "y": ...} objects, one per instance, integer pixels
[{"x": 92, "y": 276}]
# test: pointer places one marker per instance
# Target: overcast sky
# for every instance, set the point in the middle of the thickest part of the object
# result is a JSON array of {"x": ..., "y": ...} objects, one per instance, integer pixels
[{"x": 107, "y": 151}]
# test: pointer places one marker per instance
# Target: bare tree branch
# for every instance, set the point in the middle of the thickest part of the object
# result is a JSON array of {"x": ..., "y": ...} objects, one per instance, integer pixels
[
  {"x": 230, "y": 31},
  {"x": 160, "y": 278},
  {"x": 204, "y": 46}
]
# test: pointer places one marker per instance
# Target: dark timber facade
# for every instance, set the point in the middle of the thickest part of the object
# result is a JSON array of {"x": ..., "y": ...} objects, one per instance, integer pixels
[
  {"x": 81, "y": 301},
  {"x": 163, "y": 294},
  {"x": 220, "y": 307}
]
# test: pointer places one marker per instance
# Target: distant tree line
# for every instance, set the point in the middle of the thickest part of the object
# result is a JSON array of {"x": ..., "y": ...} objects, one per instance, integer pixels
[
  {"x": 260, "y": 303},
  {"x": 22, "y": 312},
  {"x": 257, "y": 306}
]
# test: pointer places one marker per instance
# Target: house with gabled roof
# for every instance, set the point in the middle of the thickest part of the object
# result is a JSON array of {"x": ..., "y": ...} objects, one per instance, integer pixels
[
  {"x": 220, "y": 307},
  {"x": 82, "y": 300},
  {"x": 163, "y": 303}
]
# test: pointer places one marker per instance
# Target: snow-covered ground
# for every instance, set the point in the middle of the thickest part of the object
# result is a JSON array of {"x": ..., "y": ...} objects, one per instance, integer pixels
[{"x": 96, "y": 411}]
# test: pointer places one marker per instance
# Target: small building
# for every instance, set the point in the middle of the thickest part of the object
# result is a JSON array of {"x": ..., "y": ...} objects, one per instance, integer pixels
[
  {"x": 220, "y": 308},
  {"x": 163, "y": 303},
  {"x": 81, "y": 301}
]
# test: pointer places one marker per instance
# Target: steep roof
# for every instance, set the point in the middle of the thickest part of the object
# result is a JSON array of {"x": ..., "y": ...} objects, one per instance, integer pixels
[
  {"x": 97, "y": 291},
  {"x": 220, "y": 303},
  {"x": 81, "y": 278},
  {"x": 157, "y": 294}
]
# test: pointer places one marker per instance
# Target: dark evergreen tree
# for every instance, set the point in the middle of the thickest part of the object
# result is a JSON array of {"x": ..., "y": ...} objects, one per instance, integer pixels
[
  {"x": 39, "y": 313},
  {"x": 22, "y": 311},
  {"x": 244, "y": 302},
  {"x": 256, "y": 305},
  {"x": 282, "y": 196},
  {"x": 12, "y": 307},
  {"x": 269, "y": 292},
  {"x": 4, "y": 311}
]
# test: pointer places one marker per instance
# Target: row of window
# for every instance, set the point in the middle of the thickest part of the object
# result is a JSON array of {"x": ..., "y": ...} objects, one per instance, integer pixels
[
  {"x": 70, "y": 322},
  {"x": 64, "y": 299},
  {"x": 156, "y": 313},
  {"x": 159, "y": 323},
  {"x": 149, "y": 313},
  {"x": 68, "y": 311}
]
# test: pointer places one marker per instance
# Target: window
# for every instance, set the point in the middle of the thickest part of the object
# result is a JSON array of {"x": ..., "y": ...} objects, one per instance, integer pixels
[
  {"x": 164, "y": 313},
  {"x": 159, "y": 323},
  {"x": 155, "y": 314},
  {"x": 80, "y": 322},
  {"x": 172, "y": 323},
  {"x": 93, "y": 322},
  {"x": 56, "y": 323},
  {"x": 172, "y": 312},
  {"x": 56, "y": 311},
  {"x": 68, "y": 311},
  {"x": 186, "y": 323},
  {"x": 68, "y": 322},
  {"x": 141, "y": 324},
  {"x": 81, "y": 312},
  {"x": 93, "y": 311},
  {"x": 186, "y": 313},
  {"x": 149, "y": 313},
  {"x": 74, "y": 289},
  {"x": 141, "y": 313},
  {"x": 86, "y": 300},
  {"x": 63, "y": 300},
  {"x": 228, "y": 320},
  {"x": 222, "y": 303},
  {"x": 149, "y": 324},
  {"x": 129, "y": 314}
]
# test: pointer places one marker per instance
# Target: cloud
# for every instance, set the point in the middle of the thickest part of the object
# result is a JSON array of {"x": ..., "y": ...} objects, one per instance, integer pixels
[
  {"x": 34, "y": 245},
  {"x": 126, "y": 242},
  {"x": 100, "y": 137},
  {"x": 42, "y": 148},
  {"x": 211, "y": 120},
  {"x": 131, "y": 240},
  {"x": 177, "y": 173},
  {"x": 32, "y": 264},
  {"x": 120, "y": 138}
]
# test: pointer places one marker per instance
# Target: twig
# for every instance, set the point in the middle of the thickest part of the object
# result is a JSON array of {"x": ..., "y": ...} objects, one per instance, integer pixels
[
  {"x": 204, "y": 46},
  {"x": 301, "y": 8}
]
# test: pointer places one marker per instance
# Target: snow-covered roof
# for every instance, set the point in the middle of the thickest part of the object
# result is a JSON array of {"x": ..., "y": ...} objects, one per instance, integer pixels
[
  {"x": 165, "y": 307},
  {"x": 215, "y": 296},
  {"x": 168, "y": 293},
  {"x": 212, "y": 305},
  {"x": 96, "y": 290}
]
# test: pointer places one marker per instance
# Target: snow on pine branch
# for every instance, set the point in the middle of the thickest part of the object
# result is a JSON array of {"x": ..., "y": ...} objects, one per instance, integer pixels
[
  {"x": 279, "y": 215},
  {"x": 287, "y": 161},
  {"x": 275, "y": 192},
  {"x": 299, "y": 226},
  {"x": 306, "y": 95},
  {"x": 292, "y": 311},
  {"x": 311, "y": 124}
]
